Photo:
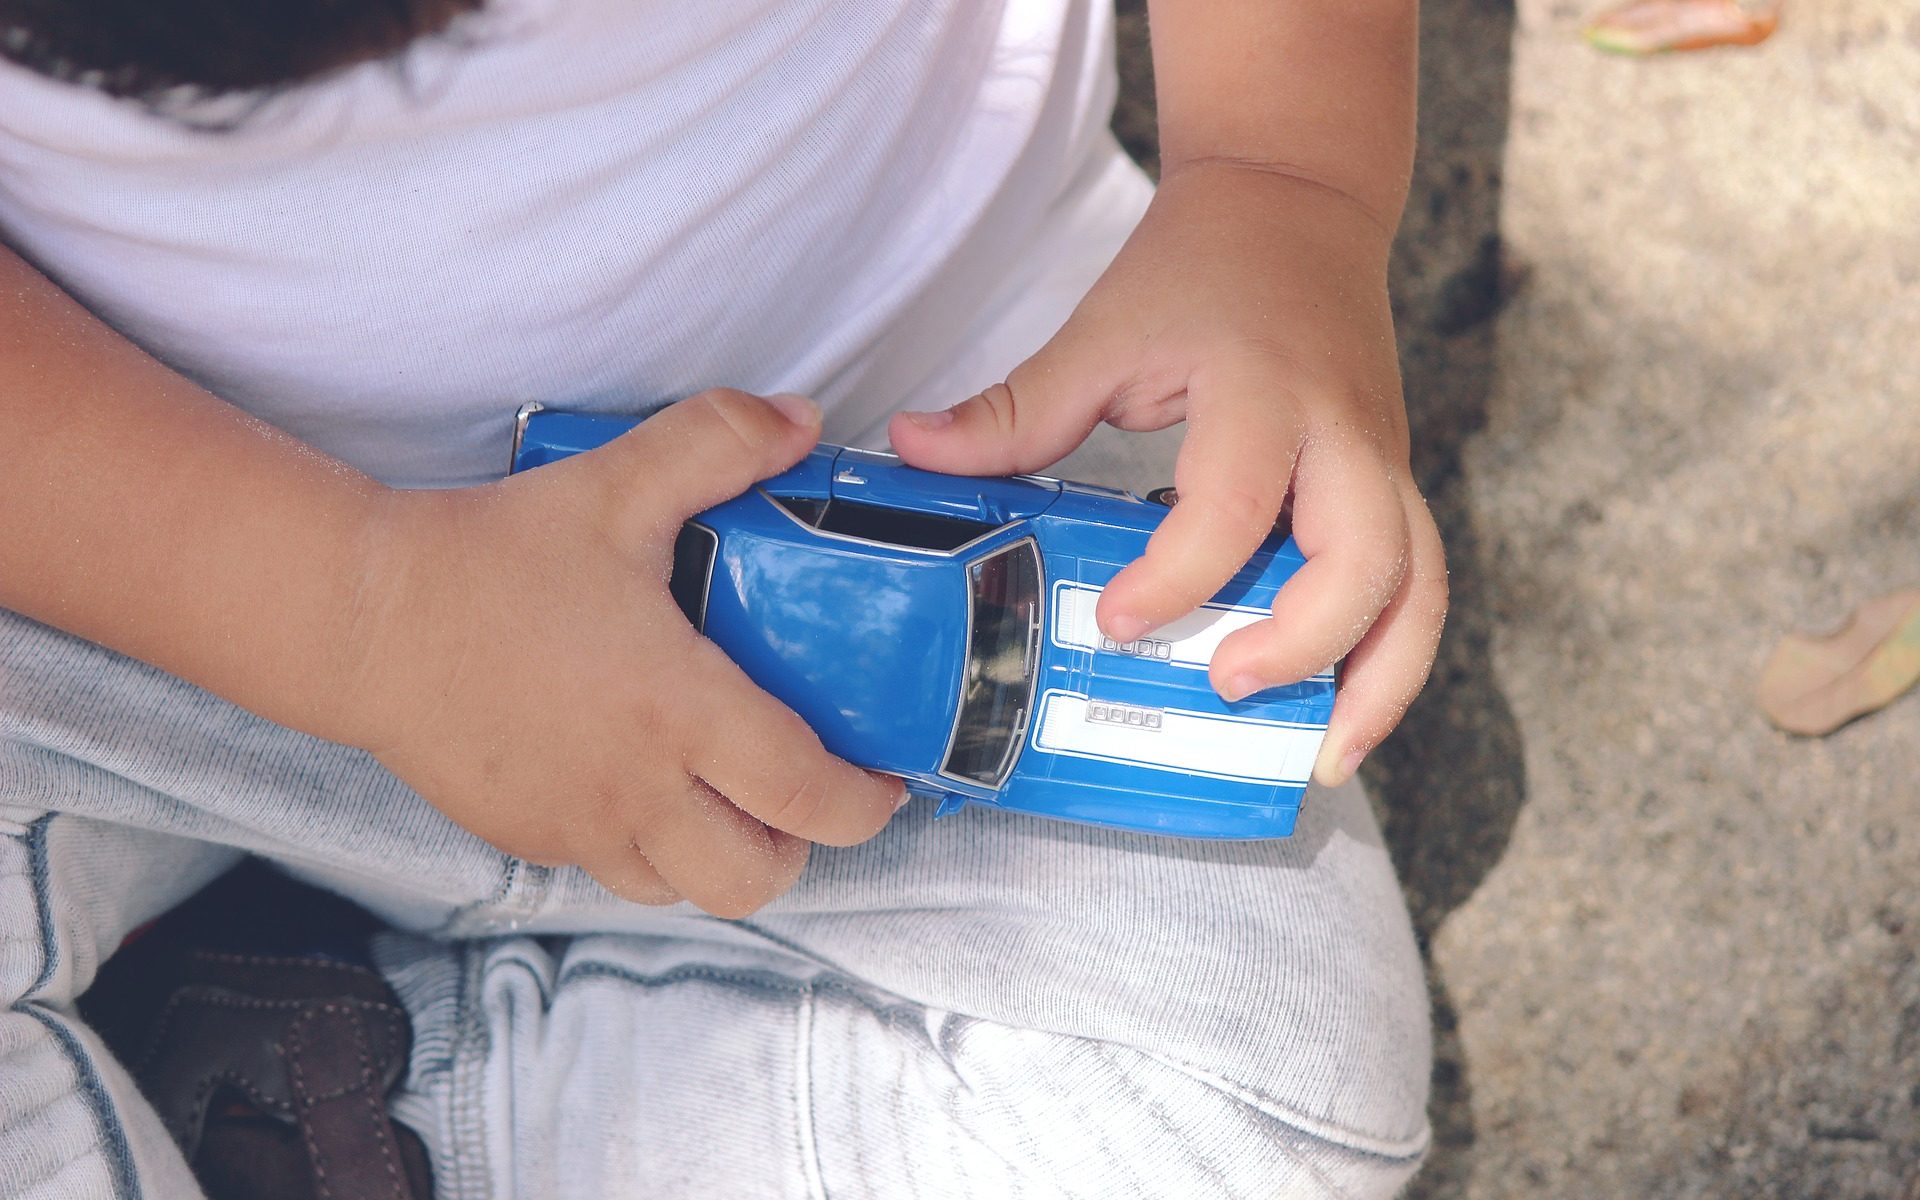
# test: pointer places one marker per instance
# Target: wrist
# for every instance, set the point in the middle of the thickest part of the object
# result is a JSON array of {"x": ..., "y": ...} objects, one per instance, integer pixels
[
  {"x": 374, "y": 621},
  {"x": 1288, "y": 188},
  {"x": 284, "y": 642},
  {"x": 1244, "y": 209}
]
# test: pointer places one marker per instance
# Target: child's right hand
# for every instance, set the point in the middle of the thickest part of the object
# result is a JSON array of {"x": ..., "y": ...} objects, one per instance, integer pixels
[
  {"x": 519, "y": 662},
  {"x": 510, "y": 651}
]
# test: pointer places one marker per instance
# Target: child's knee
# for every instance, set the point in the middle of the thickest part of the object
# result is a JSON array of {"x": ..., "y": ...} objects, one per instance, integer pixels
[
  {"x": 1168, "y": 1127},
  {"x": 1023, "y": 1112}
]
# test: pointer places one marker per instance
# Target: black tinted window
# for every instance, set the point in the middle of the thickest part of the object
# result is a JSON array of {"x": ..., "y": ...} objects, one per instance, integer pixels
[
  {"x": 895, "y": 527},
  {"x": 692, "y": 572}
]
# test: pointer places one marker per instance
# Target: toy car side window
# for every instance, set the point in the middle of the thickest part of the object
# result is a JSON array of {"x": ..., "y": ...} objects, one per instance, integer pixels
[
  {"x": 808, "y": 509},
  {"x": 692, "y": 573},
  {"x": 892, "y": 526}
]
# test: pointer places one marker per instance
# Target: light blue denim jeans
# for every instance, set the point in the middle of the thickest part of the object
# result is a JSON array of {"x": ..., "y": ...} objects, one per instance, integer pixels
[{"x": 987, "y": 1005}]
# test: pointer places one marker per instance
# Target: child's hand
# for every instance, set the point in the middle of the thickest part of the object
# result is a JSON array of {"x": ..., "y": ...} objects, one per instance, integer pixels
[
  {"x": 1252, "y": 304},
  {"x": 525, "y": 669}
]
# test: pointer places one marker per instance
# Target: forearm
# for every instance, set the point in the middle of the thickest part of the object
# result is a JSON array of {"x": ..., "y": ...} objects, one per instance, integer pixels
[
  {"x": 141, "y": 512},
  {"x": 1322, "y": 90}
]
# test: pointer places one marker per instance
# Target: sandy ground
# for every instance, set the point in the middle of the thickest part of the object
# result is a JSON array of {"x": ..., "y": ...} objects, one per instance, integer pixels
[{"x": 1659, "y": 323}]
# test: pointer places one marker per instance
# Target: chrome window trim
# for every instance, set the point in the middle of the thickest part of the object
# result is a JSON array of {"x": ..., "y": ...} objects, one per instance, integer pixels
[{"x": 520, "y": 417}]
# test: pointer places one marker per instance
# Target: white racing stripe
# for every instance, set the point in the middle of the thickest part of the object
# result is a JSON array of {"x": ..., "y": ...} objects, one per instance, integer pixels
[
  {"x": 1195, "y": 743},
  {"x": 1187, "y": 642}
]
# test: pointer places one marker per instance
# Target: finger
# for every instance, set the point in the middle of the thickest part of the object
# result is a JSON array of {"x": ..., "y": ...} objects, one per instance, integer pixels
[
  {"x": 1046, "y": 407},
  {"x": 710, "y": 448},
  {"x": 712, "y": 853},
  {"x": 1389, "y": 666},
  {"x": 765, "y": 759},
  {"x": 625, "y": 871},
  {"x": 1350, "y": 523},
  {"x": 1232, "y": 476}
]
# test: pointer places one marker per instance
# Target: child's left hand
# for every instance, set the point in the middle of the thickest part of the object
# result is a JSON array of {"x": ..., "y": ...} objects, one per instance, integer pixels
[{"x": 1253, "y": 305}]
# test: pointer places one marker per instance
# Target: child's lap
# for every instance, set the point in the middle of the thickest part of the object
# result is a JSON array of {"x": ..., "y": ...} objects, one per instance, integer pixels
[
  {"x": 709, "y": 1067},
  {"x": 1284, "y": 971}
]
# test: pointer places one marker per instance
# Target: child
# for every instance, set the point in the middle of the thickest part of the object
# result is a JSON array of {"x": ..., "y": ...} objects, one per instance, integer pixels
[{"x": 305, "y": 619}]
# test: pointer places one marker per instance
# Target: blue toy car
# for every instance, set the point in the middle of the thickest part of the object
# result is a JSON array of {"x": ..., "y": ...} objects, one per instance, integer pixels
[{"x": 941, "y": 628}]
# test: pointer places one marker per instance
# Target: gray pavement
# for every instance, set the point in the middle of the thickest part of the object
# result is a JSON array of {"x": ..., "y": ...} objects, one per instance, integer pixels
[{"x": 1659, "y": 324}]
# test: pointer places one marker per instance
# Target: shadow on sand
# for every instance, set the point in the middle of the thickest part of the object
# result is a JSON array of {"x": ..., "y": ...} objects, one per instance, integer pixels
[{"x": 1451, "y": 783}]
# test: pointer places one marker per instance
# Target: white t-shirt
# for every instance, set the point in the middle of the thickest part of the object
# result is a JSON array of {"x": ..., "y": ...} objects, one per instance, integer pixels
[{"x": 598, "y": 204}]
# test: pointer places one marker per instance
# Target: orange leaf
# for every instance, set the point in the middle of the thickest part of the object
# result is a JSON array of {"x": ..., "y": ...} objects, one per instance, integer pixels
[
  {"x": 1815, "y": 685},
  {"x": 1654, "y": 26}
]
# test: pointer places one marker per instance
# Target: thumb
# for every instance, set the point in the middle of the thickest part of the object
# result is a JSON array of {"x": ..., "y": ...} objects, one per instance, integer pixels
[
  {"x": 700, "y": 452},
  {"x": 1046, "y": 407}
]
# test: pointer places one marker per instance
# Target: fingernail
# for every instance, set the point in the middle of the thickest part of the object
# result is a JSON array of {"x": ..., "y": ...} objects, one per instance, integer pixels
[
  {"x": 900, "y": 801},
  {"x": 1333, "y": 766},
  {"x": 1242, "y": 686},
  {"x": 798, "y": 409},
  {"x": 939, "y": 419},
  {"x": 1125, "y": 628}
]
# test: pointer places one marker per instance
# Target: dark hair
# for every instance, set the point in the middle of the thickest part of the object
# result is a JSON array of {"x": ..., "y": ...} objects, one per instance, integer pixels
[{"x": 152, "y": 50}]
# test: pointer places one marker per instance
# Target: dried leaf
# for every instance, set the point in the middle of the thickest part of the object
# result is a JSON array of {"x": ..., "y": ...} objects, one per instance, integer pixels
[
  {"x": 1656, "y": 26},
  {"x": 1814, "y": 685}
]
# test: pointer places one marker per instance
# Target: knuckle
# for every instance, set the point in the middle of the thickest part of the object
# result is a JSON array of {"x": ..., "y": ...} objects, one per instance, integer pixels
[
  {"x": 645, "y": 890},
  {"x": 1163, "y": 585},
  {"x": 793, "y": 853},
  {"x": 1381, "y": 562},
  {"x": 762, "y": 884},
  {"x": 598, "y": 816},
  {"x": 735, "y": 905},
  {"x": 802, "y": 803},
  {"x": 733, "y": 420},
  {"x": 751, "y": 890},
  {"x": 1429, "y": 551},
  {"x": 1436, "y": 590},
  {"x": 1264, "y": 356},
  {"x": 1291, "y": 660},
  {"x": 1241, "y": 508},
  {"x": 624, "y": 518},
  {"x": 1002, "y": 406},
  {"x": 1383, "y": 572},
  {"x": 633, "y": 878},
  {"x": 1373, "y": 723}
]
